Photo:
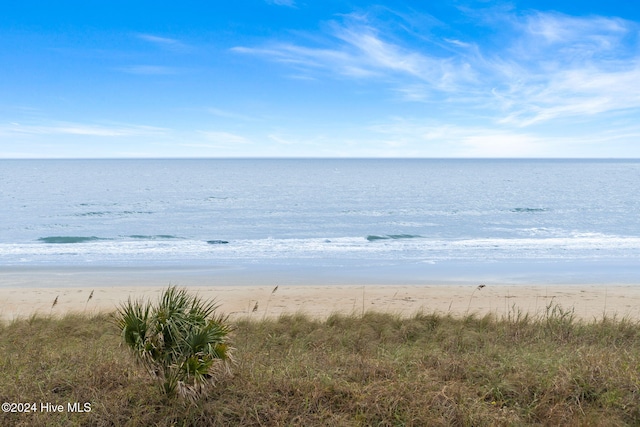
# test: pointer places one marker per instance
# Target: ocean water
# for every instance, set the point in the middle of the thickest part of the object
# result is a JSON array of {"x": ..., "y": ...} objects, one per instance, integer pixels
[{"x": 410, "y": 219}]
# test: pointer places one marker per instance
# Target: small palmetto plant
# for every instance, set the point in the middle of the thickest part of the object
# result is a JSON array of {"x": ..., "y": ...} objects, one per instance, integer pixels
[{"x": 181, "y": 341}]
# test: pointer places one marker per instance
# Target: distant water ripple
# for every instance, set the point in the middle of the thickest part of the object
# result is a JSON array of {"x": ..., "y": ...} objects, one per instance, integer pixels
[{"x": 318, "y": 212}]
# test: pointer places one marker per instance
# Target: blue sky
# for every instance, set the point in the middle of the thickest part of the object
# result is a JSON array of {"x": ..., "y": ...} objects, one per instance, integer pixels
[{"x": 294, "y": 78}]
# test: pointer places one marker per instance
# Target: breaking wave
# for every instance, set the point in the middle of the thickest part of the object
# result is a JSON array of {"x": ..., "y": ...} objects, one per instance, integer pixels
[
  {"x": 69, "y": 239},
  {"x": 374, "y": 237}
]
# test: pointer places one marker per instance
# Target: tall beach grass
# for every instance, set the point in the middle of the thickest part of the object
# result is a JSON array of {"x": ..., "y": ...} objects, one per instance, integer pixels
[{"x": 369, "y": 369}]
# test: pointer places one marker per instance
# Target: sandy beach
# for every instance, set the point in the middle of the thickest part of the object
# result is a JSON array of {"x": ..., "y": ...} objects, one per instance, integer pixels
[{"x": 23, "y": 293}]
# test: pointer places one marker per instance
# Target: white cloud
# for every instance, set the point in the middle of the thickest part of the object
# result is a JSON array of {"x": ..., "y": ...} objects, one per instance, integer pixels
[
  {"x": 436, "y": 139},
  {"x": 586, "y": 33},
  {"x": 280, "y": 140},
  {"x": 165, "y": 42},
  {"x": 302, "y": 58},
  {"x": 547, "y": 66},
  {"x": 359, "y": 51},
  {"x": 360, "y": 48},
  {"x": 458, "y": 43},
  {"x": 289, "y": 3},
  {"x": 587, "y": 71},
  {"x": 492, "y": 143},
  {"x": 66, "y": 128},
  {"x": 433, "y": 138}
]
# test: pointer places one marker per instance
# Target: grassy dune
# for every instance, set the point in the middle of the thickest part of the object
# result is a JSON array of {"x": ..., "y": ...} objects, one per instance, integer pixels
[{"x": 372, "y": 369}]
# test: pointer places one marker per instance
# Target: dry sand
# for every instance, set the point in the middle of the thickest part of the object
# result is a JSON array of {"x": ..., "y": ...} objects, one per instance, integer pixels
[{"x": 588, "y": 302}]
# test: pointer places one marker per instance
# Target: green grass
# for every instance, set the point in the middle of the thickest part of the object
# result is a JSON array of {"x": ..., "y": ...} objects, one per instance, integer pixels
[{"x": 370, "y": 370}]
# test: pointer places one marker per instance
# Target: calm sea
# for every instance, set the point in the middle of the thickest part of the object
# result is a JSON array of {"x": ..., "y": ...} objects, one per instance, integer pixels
[{"x": 504, "y": 220}]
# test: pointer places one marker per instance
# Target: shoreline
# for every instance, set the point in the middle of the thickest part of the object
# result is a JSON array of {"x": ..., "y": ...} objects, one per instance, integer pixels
[
  {"x": 588, "y": 302},
  {"x": 25, "y": 291}
]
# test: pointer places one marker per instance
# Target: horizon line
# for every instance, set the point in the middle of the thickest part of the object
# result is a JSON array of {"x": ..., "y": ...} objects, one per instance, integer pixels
[{"x": 317, "y": 158}]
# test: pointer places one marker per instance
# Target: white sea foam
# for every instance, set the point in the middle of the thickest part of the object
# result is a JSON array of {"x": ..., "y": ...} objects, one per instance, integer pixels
[
  {"x": 372, "y": 212},
  {"x": 582, "y": 246}
]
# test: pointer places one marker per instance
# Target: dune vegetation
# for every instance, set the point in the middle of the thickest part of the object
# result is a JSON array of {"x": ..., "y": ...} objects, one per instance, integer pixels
[{"x": 368, "y": 369}]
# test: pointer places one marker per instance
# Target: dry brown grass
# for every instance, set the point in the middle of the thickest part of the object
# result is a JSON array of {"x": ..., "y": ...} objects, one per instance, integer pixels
[{"x": 368, "y": 370}]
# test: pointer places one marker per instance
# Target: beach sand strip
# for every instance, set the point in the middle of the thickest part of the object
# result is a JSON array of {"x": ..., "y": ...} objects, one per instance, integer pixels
[{"x": 586, "y": 301}]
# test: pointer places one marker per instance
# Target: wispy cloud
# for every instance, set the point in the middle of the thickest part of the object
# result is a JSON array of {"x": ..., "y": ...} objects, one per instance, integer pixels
[
  {"x": 433, "y": 138},
  {"x": 577, "y": 35},
  {"x": 563, "y": 66},
  {"x": 358, "y": 50},
  {"x": 545, "y": 66},
  {"x": 289, "y": 3},
  {"x": 574, "y": 92},
  {"x": 165, "y": 42},
  {"x": 81, "y": 129},
  {"x": 279, "y": 139}
]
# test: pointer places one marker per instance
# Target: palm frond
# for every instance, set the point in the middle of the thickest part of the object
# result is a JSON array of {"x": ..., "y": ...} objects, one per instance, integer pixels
[{"x": 182, "y": 340}]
